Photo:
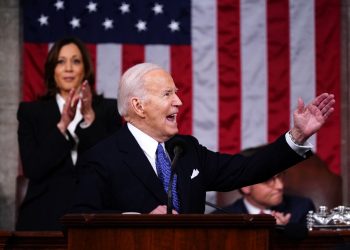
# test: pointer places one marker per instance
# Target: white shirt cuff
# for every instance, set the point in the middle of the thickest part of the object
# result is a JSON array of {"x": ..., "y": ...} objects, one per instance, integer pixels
[{"x": 299, "y": 149}]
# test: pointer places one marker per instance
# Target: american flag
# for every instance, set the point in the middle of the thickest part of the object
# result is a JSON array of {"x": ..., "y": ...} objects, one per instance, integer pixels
[{"x": 240, "y": 65}]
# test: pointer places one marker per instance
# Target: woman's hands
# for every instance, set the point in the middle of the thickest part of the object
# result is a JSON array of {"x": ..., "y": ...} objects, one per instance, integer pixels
[
  {"x": 86, "y": 103},
  {"x": 68, "y": 111},
  {"x": 84, "y": 94}
]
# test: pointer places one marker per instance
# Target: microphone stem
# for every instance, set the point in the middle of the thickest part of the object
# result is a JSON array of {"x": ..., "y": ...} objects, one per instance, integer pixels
[
  {"x": 216, "y": 207},
  {"x": 169, "y": 207},
  {"x": 170, "y": 193}
]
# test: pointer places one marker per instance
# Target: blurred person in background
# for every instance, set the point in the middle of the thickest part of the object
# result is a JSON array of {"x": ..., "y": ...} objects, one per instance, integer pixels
[{"x": 268, "y": 198}]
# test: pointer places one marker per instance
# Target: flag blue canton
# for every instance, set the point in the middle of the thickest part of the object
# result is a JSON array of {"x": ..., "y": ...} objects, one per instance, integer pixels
[{"x": 134, "y": 22}]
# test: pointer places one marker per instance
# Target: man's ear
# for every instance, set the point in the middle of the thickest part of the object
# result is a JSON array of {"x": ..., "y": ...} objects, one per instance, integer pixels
[
  {"x": 246, "y": 190},
  {"x": 137, "y": 106}
]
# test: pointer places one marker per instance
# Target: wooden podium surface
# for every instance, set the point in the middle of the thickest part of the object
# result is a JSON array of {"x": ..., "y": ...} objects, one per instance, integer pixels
[
  {"x": 116, "y": 231},
  {"x": 171, "y": 232}
]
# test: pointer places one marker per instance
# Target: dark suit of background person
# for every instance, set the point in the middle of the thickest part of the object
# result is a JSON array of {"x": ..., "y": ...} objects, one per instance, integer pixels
[
  {"x": 268, "y": 197},
  {"x": 46, "y": 151},
  {"x": 297, "y": 206},
  {"x": 116, "y": 174}
]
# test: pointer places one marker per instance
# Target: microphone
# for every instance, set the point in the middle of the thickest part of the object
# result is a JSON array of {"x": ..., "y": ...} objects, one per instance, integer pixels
[
  {"x": 177, "y": 146},
  {"x": 212, "y": 205}
]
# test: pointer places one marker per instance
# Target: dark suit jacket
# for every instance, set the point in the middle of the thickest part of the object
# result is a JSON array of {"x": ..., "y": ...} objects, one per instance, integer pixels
[
  {"x": 46, "y": 158},
  {"x": 117, "y": 176},
  {"x": 296, "y": 205}
]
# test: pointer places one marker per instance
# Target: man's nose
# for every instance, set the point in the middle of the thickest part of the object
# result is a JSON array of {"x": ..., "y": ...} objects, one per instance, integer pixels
[
  {"x": 178, "y": 101},
  {"x": 279, "y": 183}
]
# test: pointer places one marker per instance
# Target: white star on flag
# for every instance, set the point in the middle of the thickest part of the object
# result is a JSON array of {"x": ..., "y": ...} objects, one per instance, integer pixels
[
  {"x": 124, "y": 8},
  {"x": 174, "y": 26},
  {"x": 59, "y": 5},
  {"x": 141, "y": 25},
  {"x": 108, "y": 23},
  {"x": 157, "y": 8},
  {"x": 43, "y": 20},
  {"x": 92, "y": 7},
  {"x": 75, "y": 22}
]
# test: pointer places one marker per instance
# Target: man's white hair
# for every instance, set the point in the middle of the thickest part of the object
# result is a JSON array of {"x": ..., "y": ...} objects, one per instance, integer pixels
[{"x": 132, "y": 84}]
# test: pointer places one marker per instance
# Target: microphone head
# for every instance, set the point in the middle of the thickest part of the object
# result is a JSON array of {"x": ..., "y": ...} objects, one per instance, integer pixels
[
  {"x": 178, "y": 150},
  {"x": 177, "y": 145}
]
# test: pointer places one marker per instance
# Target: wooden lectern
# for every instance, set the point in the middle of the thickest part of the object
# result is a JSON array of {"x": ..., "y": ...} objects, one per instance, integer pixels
[{"x": 212, "y": 231}]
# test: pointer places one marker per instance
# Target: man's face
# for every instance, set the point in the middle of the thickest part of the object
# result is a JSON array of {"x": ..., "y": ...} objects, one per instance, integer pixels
[
  {"x": 266, "y": 194},
  {"x": 161, "y": 106}
]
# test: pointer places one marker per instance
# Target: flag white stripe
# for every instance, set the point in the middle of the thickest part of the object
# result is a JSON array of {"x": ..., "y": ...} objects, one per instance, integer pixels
[
  {"x": 302, "y": 53},
  {"x": 205, "y": 72},
  {"x": 108, "y": 67},
  {"x": 158, "y": 54},
  {"x": 254, "y": 72}
]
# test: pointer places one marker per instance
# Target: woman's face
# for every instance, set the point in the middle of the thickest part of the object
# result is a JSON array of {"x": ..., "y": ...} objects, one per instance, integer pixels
[{"x": 69, "y": 70}]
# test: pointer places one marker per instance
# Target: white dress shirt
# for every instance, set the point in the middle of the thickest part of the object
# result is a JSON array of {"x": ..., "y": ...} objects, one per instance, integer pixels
[
  {"x": 299, "y": 149},
  {"x": 253, "y": 209},
  {"x": 147, "y": 144}
]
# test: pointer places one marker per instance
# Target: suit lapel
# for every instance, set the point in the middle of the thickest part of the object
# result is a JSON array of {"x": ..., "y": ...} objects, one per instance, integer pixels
[
  {"x": 242, "y": 206},
  {"x": 51, "y": 111},
  {"x": 53, "y": 115},
  {"x": 134, "y": 157}
]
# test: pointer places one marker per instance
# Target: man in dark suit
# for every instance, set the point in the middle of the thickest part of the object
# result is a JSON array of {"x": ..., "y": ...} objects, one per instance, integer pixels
[
  {"x": 268, "y": 198},
  {"x": 121, "y": 173}
]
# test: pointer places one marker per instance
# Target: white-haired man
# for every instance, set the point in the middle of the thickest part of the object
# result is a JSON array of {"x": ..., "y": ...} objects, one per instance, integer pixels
[{"x": 127, "y": 172}]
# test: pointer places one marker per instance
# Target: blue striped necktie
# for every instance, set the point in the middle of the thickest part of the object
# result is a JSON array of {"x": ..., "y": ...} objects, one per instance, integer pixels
[{"x": 163, "y": 166}]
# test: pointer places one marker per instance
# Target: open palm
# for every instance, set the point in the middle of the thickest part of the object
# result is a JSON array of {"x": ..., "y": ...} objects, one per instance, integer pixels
[{"x": 310, "y": 118}]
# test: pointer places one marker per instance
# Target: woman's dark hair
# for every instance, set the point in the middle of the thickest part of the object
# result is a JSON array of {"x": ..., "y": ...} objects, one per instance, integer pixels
[{"x": 52, "y": 59}]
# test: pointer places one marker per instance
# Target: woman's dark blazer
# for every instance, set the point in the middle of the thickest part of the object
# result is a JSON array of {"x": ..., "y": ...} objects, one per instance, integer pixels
[{"x": 46, "y": 158}]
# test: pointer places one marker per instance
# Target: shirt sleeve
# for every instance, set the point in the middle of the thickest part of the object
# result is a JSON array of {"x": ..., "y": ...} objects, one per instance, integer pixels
[{"x": 299, "y": 149}]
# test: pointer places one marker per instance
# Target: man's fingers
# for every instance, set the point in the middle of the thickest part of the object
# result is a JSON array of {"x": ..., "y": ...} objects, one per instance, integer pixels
[
  {"x": 159, "y": 210},
  {"x": 281, "y": 219},
  {"x": 329, "y": 101},
  {"x": 327, "y": 105},
  {"x": 320, "y": 98},
  {"x": 300, "y": 105},
  {"x": 328, "y": 113}
]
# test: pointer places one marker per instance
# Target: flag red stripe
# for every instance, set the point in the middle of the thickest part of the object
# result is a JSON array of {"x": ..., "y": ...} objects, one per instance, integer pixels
[
  {"x": 328, "y": 77},
  {"x": 181, "y": 70},
  {"x": 132, "y": 55},
  {"x": 229, "y": 76},
  {"x": 34, "y": 56},
  {"x": 278, "y": 68}
]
